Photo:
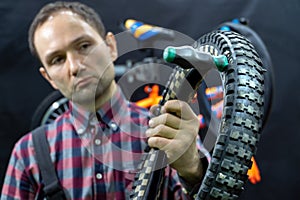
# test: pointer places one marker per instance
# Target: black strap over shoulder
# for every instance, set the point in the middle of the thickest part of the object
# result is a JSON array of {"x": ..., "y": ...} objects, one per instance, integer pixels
[{"x": 52, "y": 187}]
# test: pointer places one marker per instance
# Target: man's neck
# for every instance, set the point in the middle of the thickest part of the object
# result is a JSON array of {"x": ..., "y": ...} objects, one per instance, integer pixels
[{"x": 107, "y": 95}]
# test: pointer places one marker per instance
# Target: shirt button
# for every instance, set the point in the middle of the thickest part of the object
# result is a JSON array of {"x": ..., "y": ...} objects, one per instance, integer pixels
[
  {"x": 97, "y": 141},
  {"x": 92, "y": 130},
  {"x": 80, "y": 131},
  {"x": 94, "y": 121},
  {"x": 113, "y": 126},
  {"x": 99, "y": 176}
]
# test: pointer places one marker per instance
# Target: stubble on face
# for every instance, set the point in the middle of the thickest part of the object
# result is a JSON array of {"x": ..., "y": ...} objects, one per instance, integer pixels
[
  {"x": 93, "y": 83},
  {"x": 96, "y": 91}
]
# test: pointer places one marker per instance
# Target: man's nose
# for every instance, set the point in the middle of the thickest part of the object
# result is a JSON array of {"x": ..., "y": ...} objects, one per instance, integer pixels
[{"x": 73, "y": 64}]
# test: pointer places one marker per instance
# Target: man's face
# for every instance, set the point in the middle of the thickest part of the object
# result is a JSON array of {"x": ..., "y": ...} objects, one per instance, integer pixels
[{"x": 76, "y": 59}]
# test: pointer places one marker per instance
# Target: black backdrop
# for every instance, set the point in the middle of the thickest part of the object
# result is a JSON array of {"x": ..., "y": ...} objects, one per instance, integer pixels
[{"x": 277, "y": 22}]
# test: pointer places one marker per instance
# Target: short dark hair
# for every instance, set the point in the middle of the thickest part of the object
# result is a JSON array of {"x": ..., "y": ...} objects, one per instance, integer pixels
[{"x": 88, "y": 15}]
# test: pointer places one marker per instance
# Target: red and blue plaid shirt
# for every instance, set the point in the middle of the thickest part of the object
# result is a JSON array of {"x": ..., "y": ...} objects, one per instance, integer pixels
[{"x": 94, "y": 154}]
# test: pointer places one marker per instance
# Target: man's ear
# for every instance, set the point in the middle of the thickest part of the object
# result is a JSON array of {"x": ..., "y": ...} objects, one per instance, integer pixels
[
  {"x": 45, "y": 74},
  {"x": 112, "y": 44}
]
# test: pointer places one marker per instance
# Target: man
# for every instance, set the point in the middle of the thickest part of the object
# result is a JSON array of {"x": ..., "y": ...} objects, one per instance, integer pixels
[{"x": 95, "y": 145}]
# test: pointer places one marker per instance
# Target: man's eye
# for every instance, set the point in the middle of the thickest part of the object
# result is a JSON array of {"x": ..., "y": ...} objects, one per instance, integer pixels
[
  {"x": 57, "y": 60},
  {"x": 84, "y": 46}
]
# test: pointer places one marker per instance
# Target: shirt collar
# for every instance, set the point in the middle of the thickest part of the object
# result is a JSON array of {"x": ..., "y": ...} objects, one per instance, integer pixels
[{"x": 113, "y": 111}]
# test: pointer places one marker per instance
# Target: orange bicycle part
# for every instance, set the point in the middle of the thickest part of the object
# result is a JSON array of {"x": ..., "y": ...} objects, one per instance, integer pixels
[
  {"x": 153, "y": 97},
  {"x": 253, "y": 173}
]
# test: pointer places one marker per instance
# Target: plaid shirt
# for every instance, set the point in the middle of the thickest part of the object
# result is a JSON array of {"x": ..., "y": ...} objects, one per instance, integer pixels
[{"x": 95, "y": 154}]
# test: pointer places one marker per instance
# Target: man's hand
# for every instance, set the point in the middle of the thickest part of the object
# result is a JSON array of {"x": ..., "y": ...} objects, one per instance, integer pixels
[{"x": 175, "y": 131}]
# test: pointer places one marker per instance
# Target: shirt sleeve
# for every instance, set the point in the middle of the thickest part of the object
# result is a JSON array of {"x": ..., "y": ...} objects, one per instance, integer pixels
[
  {"x": 16, "y": 182},
  {"x": 173, "y": 189},
  {"x": 192, "y": 190}
]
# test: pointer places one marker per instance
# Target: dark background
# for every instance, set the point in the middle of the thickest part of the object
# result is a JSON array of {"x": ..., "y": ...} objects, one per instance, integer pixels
[{"x": 277, "y": 22}]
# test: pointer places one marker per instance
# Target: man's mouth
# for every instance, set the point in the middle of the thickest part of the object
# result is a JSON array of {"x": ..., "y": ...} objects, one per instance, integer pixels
[{"x": 81, "y": 82}]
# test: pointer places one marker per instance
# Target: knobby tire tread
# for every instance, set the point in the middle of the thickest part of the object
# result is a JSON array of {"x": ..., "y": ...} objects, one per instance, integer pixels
[{"x": 241, "y": 122}]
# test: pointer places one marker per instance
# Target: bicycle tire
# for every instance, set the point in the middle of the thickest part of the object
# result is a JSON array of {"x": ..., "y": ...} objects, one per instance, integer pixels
[
  {"x": 242, "y": 119},
  {"x": 262, "y": 50},
  {"x": 49, "y": 109}
]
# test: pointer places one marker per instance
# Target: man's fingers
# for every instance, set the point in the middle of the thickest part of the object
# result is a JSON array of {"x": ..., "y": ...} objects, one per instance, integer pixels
[
  {"x": 155, "y": 110},
  {"x": 179, "y": 108},
  {"x": 158, "y": 142},
  {"x": 161, "y": 131},
  {"x": 166, "y": 119}
]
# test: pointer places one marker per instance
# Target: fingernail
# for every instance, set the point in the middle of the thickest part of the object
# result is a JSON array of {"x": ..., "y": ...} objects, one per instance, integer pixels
[
  {"x": 150, "y": 122},
  {"x": 163, "y": 109},
  {"x": 148, "y": 132}
]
